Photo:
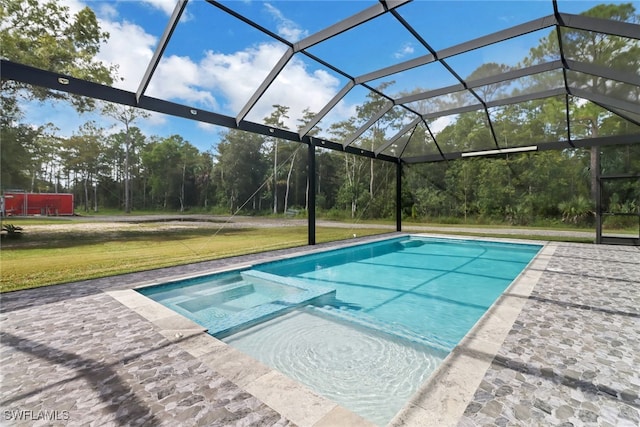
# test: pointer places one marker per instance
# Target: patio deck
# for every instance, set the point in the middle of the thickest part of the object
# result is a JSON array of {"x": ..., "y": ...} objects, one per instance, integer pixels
[{"x": 91, "y": 353}]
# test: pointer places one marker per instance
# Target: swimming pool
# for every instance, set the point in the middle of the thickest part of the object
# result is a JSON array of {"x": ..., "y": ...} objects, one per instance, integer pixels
[{"x": 363, "y": 326}]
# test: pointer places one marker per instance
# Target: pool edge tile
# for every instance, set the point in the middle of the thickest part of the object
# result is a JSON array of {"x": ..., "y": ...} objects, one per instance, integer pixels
[
  {"x": 289, "y": 398},
  {"x": 234, "y": 365},
  {"x": 342, "y": 417},
  {"x": 276, "y": 390}
]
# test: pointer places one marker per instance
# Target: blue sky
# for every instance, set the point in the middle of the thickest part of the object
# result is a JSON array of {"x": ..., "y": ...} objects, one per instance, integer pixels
[{"x": 215, "y": 62}]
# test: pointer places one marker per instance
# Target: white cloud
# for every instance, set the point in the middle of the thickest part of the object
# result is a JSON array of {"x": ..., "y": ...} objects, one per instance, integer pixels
[
  {"x": 219, "y": 82},
  {"x": 405, "y": 49},
  {"x": 74, "y": 6},
  {"x": 239, "y": 74},
  {"x": 178, "y": 77},
  {"x": 286, "y": 27},
  {"x": 131, "y": 48},
  {"x": 166, "y": 6},
  {"x": 106, "y": 11},
  {"x": 298, "y": 89},
  {"x": 440, "y": 123},
  {"x": 208, "y": 127}
]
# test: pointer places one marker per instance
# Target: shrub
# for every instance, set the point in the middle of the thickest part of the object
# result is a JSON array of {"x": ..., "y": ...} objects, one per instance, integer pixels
[{"x": 11, "y": 231}]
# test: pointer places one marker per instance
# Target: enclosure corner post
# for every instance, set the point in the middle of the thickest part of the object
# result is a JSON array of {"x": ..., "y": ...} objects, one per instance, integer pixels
[
  {"x": 399, "y": 196},
  {"x": 597, "y": 191},
  {"x": 311, "y": 176}
]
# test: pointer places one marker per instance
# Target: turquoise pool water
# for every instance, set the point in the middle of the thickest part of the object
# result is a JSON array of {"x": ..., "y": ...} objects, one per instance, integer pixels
[
  {"x": 433, "y": 289},
  {"x": 364, "y": 325}
]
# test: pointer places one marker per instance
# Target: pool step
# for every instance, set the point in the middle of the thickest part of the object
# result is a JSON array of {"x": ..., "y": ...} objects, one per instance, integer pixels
[
  {"x": 393, "y": 330},
  {"x": 179, "y": 298},
  {"x": 222, "y": 288},
  {"x": 302, "y": 294},
  {"x": 221, "y": 298}
]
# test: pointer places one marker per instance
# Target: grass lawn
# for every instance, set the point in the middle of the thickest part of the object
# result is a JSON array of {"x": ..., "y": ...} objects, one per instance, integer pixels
[
  {"x": 46, "y": 259},
  {"x": 60, "y": 250}
]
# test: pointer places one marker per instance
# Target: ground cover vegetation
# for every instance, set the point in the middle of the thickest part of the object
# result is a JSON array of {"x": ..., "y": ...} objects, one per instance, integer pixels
[
  {"x": 128, "y": 170},
  {"x": 48, "y": 257}
]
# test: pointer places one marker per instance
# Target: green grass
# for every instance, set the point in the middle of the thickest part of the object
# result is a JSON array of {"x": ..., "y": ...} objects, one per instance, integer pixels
[
  {"x": 22, "y": 221},
  {"x": 47, "y": 259}
]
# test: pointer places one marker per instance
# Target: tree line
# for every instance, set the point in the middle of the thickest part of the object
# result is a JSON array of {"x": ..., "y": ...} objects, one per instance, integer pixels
[{"x": 256, "y": 174}]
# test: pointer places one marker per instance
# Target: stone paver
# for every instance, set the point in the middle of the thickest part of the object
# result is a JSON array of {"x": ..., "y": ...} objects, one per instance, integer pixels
[
  {"x": 572, "y": 356},
  {"x": 91, "y": 360},
  {"x": 73, "y": 355}
]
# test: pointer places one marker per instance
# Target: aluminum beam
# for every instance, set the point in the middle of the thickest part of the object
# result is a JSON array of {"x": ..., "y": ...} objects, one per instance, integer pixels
[
  {"x": 385, "y": 108},
  {"x": 480, "y": 42},
  {"x": 527, "y": 97},
  {"x": 397, "y": 68},
  {"x": 547, "y": 146},
  {"x": 518, "y": 30},
  {"x": 515, "y": 74},
  {"x": 604, "y": 100},
  {"x": 347, "y": 24},
  {"x": 399, "y": 197},
  {"x": 599, "y": 25},
  {"x": 452, "y": 111},
  {"x": 563, "y": 60},
  {"x": 624, "y": 114},
  {"x": 162, "y": 44},
  {"x": 497, "y": 103},
  {"x": 273, "y": 74},
  {"x": 249, "y": 22},
  {"x": 398, "y": 135},
  {"x": 474, "y": 84},
  {"x": 325, "y": 110},
  {"x": 64, "y": 83},
  {"x": 430, "y": 94},
  {"x": 404, "y": 146},
  {"x": 604, "y": 72},
  {"x": 311, "y": 202}
]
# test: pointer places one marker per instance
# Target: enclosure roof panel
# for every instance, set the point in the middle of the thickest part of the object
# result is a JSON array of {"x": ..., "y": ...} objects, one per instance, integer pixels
[{"x": 395, "y": 79}]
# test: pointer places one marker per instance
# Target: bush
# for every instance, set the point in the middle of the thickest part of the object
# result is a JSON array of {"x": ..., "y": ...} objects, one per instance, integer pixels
[{"x": 10, "y": 231}]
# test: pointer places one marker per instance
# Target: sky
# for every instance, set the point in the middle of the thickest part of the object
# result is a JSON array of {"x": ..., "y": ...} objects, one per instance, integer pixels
[{"x": 215, "y": 62}]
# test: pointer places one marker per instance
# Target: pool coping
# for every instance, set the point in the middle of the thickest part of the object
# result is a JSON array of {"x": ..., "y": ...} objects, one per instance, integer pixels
[{"x": 440, "y": 401}]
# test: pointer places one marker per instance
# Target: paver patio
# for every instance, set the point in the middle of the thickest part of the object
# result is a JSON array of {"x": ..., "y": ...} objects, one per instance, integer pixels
[{"x": 73, "y": 354}]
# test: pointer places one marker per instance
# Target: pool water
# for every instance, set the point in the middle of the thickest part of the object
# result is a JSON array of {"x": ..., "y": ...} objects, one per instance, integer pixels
[
  {"x": 371, "y": 372},
  {"x": 226, "y": 302},
  {"x": 363, "y": 325},
  {"x": 435, "y": 289}
]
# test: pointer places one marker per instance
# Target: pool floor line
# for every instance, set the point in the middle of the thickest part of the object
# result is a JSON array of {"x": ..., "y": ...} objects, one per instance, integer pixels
[
  {"x": 293, "y": 400},
  {"x": 443, "y": 398}
]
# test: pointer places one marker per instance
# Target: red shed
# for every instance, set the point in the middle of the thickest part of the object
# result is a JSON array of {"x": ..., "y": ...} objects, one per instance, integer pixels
[{"x": 21, "y": 204}]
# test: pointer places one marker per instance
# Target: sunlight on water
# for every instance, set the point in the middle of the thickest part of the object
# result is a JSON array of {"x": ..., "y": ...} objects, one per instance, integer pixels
[{"x": 369, "y": 372}]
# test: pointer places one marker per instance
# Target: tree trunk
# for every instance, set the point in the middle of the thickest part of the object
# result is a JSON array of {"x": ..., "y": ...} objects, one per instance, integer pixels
[
  {"x": 286, "y": 194},
  {"x": 127, "y": 206},
  {"x": 306, "y": 196},
  {"x": 86, "y": 193},
  {"x": 184, "y": 169},
  {"x": 95, "y": 195},
  {"x": 275, "y": 176},
  {"x": 371, "y": 179}
]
